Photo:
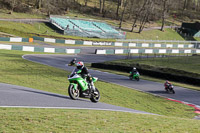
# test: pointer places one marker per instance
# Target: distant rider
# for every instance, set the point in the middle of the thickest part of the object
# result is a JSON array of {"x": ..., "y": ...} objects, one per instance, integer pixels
[
  {"x": 167, "y": 84},
  {"x": 134, "y": 71},
  {"x": 72, "y": 62}
]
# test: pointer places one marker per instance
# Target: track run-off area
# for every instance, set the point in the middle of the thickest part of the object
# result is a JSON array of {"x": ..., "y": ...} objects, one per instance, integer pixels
[{"x": 17, "y": 96}]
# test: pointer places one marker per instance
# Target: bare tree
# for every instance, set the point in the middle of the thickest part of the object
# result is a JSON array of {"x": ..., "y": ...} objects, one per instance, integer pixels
[
  {"x": 121, "y": 20},
  {"x": 118, "y": 6},
  {"x": 140, "y": 10},
  {"x": 164, "y": 13},
  {"x": 101, "y": 7},
  {"x": 145, "y": 15}
]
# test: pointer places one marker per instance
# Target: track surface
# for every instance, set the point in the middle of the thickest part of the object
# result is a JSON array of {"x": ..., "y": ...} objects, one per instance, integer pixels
[
  {"x": 59, "y": 61},
  {"x": 17, "y": 96}
]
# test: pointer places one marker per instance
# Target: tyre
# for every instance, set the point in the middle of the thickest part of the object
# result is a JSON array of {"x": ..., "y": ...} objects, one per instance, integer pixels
[
  {"x": 73, "y": 93},
  {"x": 95, "y": 97},
  {"x": 137, "y": 78},
  {"x": 130, "y": 77},
  {"x": 173, "y": 91}
]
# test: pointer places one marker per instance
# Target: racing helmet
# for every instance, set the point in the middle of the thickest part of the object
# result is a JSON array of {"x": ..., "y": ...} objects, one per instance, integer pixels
[
  {"x": 80, "y": 65},
  {"x": 134, "y": 69}
]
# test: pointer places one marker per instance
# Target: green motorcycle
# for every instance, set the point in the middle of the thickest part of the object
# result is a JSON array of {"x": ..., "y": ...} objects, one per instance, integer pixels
[
  {"x": 79, "y": 87},
  {"x": 135, "y": 76}
]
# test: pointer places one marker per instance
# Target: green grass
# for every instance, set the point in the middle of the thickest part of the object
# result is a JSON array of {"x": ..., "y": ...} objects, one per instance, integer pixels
[
  {"x": 168, "y": 34},
  {"x": 6, "y": 14},
  {"x": 37, "y": 29},
  {"x": 15, "y": 70},
  {"x": 186, "y": 63},
  {"x": 197, "y": 38},
  {"x": 82, "y": 121}
]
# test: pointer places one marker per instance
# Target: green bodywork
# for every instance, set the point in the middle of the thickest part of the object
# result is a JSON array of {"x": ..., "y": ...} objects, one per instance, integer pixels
[
  {"x": 83, "y": 84},
  {"x": 135, "y": 75}
]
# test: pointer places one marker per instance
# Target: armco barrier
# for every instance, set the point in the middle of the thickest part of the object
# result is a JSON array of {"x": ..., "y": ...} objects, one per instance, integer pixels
[
  {"x": 154, "y": 73},
  {"x": 16, "y": 39},
  {"x": 39, "y": 49},
  {"x": 117, "y": 44},
  {"x": 148, "y": 51}
]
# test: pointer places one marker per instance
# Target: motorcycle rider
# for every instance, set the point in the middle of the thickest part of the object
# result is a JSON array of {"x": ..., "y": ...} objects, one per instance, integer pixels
[
  {"x": 72, "y": 62},
  {"x": 167, "y": 83},
  {"x": 134, "y": 71},
  {"x": 84, "y": 73}
]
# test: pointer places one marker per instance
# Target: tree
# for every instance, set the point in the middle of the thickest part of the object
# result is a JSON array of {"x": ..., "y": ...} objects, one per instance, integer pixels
[
  {"x": 140, "y": 10},
  {"x": 164, "y": 13},
  {"x": 121, "y": 20},
  {"x": 118, "y": 6}
]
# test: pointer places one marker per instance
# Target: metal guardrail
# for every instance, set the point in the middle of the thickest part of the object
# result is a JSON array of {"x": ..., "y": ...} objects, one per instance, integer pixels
[{"x": 158, "y": 41}]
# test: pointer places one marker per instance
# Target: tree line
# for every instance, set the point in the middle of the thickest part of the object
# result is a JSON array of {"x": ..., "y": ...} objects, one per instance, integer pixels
[{"x": 139, "y": 12}]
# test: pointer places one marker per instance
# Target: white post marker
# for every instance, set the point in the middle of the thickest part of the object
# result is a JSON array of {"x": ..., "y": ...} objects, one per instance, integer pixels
[
  {"x": 70, "y": 51},
  {"x": 49, "y": 40},
  {"x": 87, "y": 42},
  {"x": 132, "y": 44},
  {"x": 69, "y": 41},
  {"x": 101, "y": 52},
  {"x": 12, "y": 39},
  {"x": 187, "y": 51},
  {"x": 119, "y": 51},
  {"x": 148, "y": 51},
  {"x": 180, "y": 46},
  {"x": 118, "y": 44},
  {"x": 169, "y": 45},
  {"x": 145, "y": 45},
  {"x": 175, "y": 51},
  {"x": 162, "y": 51},
  {"x": 28, "y": 48},
  {"x": 7, "y": 47},
  {"x": 157, "y": 45},
  {"x": 49, "y": 50},
  {"x": 134, "y": 51}
]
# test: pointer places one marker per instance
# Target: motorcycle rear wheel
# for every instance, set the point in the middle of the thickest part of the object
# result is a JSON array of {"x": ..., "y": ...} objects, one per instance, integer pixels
[
  {"x": 95, "y": 98},
  {"x": 73, "y": 93},
  {"x": 173, "y": 91}
]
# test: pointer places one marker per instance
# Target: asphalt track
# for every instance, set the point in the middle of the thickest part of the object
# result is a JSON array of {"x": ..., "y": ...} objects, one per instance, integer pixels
[{"x": 59, "y": 61}]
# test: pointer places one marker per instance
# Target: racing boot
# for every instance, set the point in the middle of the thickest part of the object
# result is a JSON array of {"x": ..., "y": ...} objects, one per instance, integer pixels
[{"x": 93, "y": 88}]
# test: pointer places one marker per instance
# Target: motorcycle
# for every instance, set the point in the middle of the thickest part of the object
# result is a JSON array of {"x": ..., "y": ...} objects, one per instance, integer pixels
[
  {"x": 79, "y": 87},
  {"x": 170, "y": 89},
  {"x": 135, "y": 76}
]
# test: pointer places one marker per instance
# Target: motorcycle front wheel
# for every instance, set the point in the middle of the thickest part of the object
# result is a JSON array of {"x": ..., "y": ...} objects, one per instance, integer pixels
[
  {"x": 95, "y": 97},
  {"x": 73, "y": 93},
  {"x": 137, "y": 78}
]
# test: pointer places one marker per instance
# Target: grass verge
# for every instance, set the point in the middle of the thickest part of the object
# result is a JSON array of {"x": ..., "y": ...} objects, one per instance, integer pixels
[
  {"x": 61, "y": 120},
  {"x": 186, "y": 63}
]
